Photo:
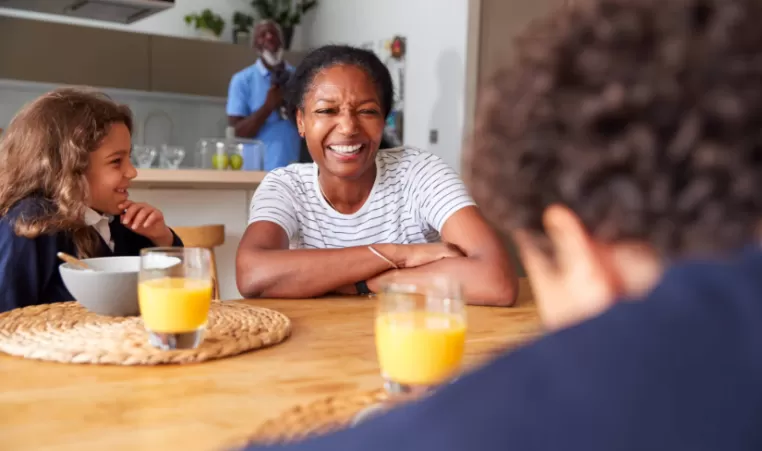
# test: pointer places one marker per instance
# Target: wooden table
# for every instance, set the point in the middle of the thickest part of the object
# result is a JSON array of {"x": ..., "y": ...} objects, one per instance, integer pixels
[{"x": 70, "y": 407}]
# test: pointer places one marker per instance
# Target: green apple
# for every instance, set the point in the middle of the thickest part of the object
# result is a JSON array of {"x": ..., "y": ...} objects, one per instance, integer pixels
[
  {"x": 236, "y": 161},
  {"x": 220, "y": 161}
]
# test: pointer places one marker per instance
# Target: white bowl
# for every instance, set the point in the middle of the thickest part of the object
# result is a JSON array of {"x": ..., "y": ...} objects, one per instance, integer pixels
[{"x": 110, "y": 289}]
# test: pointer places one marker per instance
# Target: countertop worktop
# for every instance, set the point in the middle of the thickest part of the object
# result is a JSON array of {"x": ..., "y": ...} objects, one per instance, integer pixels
[
  {"x": 208, "y": 406},
  {"x": 197, "y": 179}
]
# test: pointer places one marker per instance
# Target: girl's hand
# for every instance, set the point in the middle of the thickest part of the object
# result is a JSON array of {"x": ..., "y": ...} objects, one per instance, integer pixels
[{"x": 148, "y": 221}]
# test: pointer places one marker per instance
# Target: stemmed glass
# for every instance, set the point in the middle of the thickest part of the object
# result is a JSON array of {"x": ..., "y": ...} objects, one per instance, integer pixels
[
  {"x": 171, "y": 156},
  {"x": 143, "y": 156},
  {"x": 175, "y": 293}
]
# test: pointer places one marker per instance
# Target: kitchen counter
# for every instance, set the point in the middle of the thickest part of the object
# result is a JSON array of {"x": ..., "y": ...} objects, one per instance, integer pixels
[{"x": 197, "y": 179}]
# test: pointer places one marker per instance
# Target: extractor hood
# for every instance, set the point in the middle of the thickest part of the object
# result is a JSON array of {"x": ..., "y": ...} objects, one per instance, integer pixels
[{"x": 121, "y": 11}]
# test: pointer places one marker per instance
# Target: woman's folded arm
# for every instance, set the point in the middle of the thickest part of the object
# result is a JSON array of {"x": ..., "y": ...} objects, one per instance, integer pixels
[
  {"x": 266, "y": 267},
  {"x": 485, "y": 272}
]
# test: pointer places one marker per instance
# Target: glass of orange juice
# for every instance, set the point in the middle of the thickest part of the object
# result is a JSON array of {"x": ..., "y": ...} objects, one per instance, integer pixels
[
  {"x": 175, "y": 293},
  {"x": 420, "y": 334}
]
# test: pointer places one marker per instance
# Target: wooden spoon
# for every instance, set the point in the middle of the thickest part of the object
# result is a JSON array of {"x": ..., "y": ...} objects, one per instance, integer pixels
[{"x": 73, "y": 261}]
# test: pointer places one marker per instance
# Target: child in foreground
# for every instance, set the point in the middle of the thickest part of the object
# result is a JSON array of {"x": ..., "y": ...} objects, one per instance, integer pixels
[{"x": 65, "y": 171}]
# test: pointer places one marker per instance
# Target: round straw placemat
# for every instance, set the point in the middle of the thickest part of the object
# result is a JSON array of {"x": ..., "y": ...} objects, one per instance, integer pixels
[
  {"x": 318, "y": 417},
  {"x": 67, "y": 332}
]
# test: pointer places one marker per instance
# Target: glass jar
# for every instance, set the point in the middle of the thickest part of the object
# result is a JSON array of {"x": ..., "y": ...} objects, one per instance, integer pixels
[
  {"x": 230, "y": 154},
  {"x": 203, "y": 157}
]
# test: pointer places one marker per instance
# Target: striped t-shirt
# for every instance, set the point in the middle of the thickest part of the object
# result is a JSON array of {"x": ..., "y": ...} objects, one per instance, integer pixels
[{"x": 414, "y": 194}]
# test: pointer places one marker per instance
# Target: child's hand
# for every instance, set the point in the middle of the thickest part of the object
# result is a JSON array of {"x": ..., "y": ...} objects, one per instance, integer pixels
[{"x": 147, "y": 221}]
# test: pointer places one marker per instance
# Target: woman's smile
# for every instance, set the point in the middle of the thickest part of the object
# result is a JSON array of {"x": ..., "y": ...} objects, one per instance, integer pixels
[{"x": 346, "y": 152}]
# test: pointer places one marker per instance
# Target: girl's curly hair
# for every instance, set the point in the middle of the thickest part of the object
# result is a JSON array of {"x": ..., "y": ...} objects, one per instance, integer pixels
[{"x": 45, "y": 153}]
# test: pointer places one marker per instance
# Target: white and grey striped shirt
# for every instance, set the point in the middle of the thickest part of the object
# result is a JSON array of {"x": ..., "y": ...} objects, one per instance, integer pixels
[{"x": 414, "y": 194}]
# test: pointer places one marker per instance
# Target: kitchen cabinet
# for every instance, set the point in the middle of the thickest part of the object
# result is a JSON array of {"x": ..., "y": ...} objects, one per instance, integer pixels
[
  {"x": 49, "y": 52},
  {"x": 191, "y": 66},
  {"x": 33, "y": 50},
  {"x": 501, "y": 22},
  {"x": 199, "y": 67}
]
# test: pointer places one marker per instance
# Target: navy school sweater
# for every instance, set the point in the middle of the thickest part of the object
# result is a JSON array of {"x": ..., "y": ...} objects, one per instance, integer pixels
[
  {"x": 29, "y": 267},
  {"x": 678, "y": 370}
]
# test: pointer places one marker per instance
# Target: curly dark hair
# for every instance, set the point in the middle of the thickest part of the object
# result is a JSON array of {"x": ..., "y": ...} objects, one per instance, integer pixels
[
  {"x": 335, "y": 55},
  {"x": 644, "y": 117}
]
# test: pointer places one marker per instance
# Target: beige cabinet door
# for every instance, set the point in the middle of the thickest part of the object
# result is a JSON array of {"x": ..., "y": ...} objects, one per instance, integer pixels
[
  {"x": 500, "y": 22},
  {"x": 192, "y": 66},
  {"x": 49, "y": 52}
]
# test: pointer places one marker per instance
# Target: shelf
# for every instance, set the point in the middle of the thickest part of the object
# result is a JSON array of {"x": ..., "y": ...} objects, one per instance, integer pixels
[{"x": 197, "y": 179}]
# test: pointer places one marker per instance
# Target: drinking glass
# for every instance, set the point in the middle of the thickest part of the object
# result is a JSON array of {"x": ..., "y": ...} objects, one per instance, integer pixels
[
  {"x": 143, "y": 156},
  {"x": 175, "y": 293},
  {"x": 171, "y": 156},
  {"x": 420, "y": 334}
]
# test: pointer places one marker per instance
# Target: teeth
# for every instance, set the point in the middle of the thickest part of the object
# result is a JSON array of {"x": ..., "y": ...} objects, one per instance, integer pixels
[{"x": 346, "y": 149}]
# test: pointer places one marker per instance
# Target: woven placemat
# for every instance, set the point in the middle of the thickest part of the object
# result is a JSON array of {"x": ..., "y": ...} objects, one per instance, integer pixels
[
  {"x": 67, "y": 332},
  {"x": 318, "y": 417}
]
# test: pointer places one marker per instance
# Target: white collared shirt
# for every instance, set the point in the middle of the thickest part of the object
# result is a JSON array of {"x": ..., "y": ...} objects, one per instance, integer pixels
[{"x": 100, "y": 223}]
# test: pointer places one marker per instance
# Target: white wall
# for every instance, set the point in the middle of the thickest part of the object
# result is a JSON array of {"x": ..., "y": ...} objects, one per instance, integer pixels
[
  {"x": 436, "y": 32},
  {"x": 169, "y": 23}
]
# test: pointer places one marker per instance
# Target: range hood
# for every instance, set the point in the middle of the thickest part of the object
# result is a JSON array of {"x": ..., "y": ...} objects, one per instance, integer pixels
[{"x": 121, "y": 11}]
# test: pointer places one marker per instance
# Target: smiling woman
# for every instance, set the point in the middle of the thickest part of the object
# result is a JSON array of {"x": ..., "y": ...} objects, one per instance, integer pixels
[{"x": 358, "y": 216}]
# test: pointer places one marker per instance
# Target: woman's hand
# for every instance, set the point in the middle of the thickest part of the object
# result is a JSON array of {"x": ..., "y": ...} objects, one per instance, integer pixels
[
  {"x": 423, "y": 254},
  {"x": 148, "y": 221}
]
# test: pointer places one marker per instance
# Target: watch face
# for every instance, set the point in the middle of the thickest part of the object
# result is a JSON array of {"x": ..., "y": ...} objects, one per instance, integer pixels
[{"x": 362, "y": 288}]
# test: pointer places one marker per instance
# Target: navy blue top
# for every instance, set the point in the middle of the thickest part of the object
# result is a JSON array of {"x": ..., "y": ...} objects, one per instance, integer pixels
[
  {"x": 29, "y": 267},
  {"x": 679, "y": 370}
]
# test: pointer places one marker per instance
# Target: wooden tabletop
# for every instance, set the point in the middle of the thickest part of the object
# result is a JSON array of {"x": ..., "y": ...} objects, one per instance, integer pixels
[{"x": 71, "y": 407}]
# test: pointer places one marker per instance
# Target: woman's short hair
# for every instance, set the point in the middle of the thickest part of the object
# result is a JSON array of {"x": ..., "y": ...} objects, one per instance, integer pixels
[
  {"x": 336, "y": 55},
  {"x": 644, "y": 117}
]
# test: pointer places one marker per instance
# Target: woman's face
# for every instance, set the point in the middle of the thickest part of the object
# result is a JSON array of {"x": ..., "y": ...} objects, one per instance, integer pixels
[{"x": 342, "y": 121}]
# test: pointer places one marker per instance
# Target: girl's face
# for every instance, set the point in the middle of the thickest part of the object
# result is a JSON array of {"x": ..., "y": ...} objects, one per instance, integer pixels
[{"x": 110, "y": 171}]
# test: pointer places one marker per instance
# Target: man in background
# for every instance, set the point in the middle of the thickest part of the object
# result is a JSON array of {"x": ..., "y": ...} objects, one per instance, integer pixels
[{"x": 255, "y": 100}]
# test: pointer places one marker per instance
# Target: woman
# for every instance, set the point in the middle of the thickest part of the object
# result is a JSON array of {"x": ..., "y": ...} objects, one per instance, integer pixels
[{"x": 356, "y": 217}]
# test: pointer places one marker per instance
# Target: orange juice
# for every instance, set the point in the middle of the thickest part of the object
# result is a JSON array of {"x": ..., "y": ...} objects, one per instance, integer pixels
[
  {"x": 174, "y": 304},
  {"x": 420, "y": 347}
]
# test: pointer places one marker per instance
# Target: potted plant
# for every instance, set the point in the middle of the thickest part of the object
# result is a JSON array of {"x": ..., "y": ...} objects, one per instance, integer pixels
[
  {"x": 242, "y": 24},
  {"x": 287, "y": 13},
  {"x": 208, "y": 24}
]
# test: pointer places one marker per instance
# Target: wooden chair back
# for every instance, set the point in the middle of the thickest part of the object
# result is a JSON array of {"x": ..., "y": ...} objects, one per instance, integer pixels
[{"x": 208, "y": 237}]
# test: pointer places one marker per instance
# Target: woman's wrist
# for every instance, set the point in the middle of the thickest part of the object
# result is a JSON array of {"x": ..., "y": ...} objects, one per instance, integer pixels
[{"x": 396, "y": 253}]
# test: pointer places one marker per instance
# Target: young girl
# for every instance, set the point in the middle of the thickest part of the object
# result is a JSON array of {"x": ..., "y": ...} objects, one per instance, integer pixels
[{"x": 64, "y": 174}]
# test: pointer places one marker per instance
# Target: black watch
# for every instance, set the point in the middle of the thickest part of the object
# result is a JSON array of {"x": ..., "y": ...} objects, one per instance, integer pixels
[{"x": 362, "y": 288}]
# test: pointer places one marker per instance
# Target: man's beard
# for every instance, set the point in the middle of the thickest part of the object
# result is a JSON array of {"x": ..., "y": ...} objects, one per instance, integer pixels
[{"x": 272, "y": 59}]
